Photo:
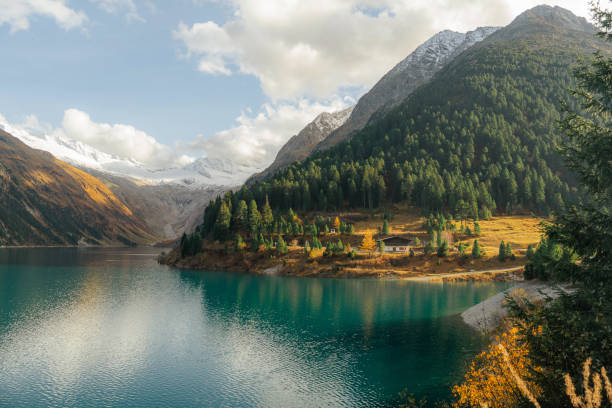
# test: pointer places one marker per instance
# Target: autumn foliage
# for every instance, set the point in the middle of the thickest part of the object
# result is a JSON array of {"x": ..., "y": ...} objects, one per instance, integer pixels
[{"x": 499, "y": 376}]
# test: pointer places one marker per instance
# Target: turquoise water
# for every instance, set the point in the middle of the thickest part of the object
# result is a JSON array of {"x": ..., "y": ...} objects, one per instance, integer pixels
[{"x": 111, "y": 328}]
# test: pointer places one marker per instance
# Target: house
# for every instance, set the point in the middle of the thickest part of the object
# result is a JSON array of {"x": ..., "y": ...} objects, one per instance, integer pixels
[{"x": 397, "y": 244}]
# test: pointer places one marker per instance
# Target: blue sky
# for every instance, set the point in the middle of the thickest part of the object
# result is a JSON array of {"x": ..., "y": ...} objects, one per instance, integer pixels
[
  {"x": 232, "y": 79},
  {"x": 121, "y": 71}
]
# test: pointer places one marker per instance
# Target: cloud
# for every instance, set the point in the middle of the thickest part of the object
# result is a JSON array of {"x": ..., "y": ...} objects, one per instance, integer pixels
[
  {"x": 115, "y": 6},
  {"x": 118, "y": 140},
  {"x": 315, "y": 48},
  {"x": 17, "y": 13},
  {"x": 124, "y": 141},
  {"x": 256, "y": 138}
]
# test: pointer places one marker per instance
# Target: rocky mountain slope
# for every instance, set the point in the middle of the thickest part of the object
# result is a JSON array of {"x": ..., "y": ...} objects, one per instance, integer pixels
[
  {"x": 301, "y": 145},
  {"x": 45, "y": 201},
  {"x": 415, "y": 70}
]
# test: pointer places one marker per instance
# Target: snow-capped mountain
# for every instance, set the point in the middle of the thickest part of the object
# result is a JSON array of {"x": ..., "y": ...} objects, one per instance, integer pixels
[
  {"x": 202, "y": 172},
  {"x": 397, "y": 84},
  {"x": 301, "y": 145}
]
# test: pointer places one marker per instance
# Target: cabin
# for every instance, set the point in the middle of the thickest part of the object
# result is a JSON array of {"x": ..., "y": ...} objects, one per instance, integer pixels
[{"x": 397, "y": 244}]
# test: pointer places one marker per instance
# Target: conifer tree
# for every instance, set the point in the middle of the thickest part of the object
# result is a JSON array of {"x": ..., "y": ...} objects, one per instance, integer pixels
[
  {"x": 337, "y": 224},
  {"x": 502, "y": 251},
  {"x": 476, "y": 228},
  {"x": 306, "y": 248},
  {"x": 367, "y": 243},
  {"x": 242, "y": 215},
  {"x": 222, "y": 223},
  {"x": 443, "y": 249},
  {"x": 381, "y": 246},
  {"x": 385, "y": 227},
  {"x": 476, "y": 251},
  {"x": 267, "y": 215},
  {"x": 254, "y": 217}
]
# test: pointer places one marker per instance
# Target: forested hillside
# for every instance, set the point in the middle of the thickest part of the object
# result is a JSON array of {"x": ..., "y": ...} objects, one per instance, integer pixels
[{"x": 479, "y": 138}]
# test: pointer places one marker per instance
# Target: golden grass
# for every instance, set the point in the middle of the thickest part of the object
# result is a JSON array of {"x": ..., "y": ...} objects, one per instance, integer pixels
[{"x": 95, "y": 189}]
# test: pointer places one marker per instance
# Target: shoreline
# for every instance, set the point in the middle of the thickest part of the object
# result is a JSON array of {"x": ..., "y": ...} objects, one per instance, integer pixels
[{"x": 394, "y": 267}]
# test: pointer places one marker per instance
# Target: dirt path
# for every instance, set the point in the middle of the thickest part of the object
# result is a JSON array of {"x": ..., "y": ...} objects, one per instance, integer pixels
[{"x": 444, "y": 275}]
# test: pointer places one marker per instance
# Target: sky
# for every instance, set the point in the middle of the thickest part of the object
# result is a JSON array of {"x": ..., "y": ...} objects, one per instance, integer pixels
[{"x": 168, "y": 81}]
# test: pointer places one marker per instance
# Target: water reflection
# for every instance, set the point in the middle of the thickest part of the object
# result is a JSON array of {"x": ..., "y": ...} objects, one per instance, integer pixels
[{"x": 110, "y": 327}]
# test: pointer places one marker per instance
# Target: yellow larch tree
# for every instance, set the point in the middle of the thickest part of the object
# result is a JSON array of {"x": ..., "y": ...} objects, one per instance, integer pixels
[{"x": 368, "y": 244}]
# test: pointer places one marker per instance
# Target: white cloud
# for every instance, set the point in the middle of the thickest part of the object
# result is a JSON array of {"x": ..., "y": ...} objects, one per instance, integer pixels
[
  {"x": 17, "y": 13},
  {"x": 115, "y": 6},
  {"x": 316, "y": 47},
  {"x": 124, "y": 141},
  {"x": 117, "y": 140},
  {"x": 257, "y": 138}
]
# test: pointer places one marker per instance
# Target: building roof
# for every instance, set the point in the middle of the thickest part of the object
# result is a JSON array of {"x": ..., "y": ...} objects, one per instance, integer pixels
[{"x": 396, "y": 241}]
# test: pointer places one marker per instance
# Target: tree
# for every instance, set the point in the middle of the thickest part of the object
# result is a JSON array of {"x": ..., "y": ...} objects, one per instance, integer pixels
[
  {"x": 577, "y": 247},
  {"x": 306, "y": 248},
  {"x": 337, "y": 224},
  {"x": 254, "y": 217},
  {"x": 476, "y": 228},
  {"x": 411, "y": 253},
  {"x": 242, "y": 215},
  {"x": 443, "y": 249},
  {"x": 476, "y": 252},
  {"x": 267, "y": 215},
  {"x": 530, "y": 252},
  {"x": 502, "y": 251},
  {"x": 222, "y": 224},
  {"x": 428, "y": 249},
  {"x": 281, "y": 246},
  {"x": 508, "y": 252},
  {"x": 367, "y": 243},
  {"x": 461, "y": 249},
  {"x": 381, "y": 246},
  {"x": 239, "y": 244},
  {"x": 385, "y": 227}
]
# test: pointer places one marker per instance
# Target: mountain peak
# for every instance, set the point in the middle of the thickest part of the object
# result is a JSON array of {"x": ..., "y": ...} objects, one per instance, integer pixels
[{"x": 555, "y": 16}]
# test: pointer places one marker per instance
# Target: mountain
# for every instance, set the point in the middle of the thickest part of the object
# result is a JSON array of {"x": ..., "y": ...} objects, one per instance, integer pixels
[
  {"x": 415, "y": 70},
  {"x": 203, "y": 172},
  {"x": 301, "y": 145},
  {"x": 169, "y": 201},
  {"x": 45, "y": 201},
  {"x": 480, "y": 137}
]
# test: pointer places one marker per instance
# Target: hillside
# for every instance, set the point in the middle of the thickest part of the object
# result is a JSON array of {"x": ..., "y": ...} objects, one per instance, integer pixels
[
  {"x": 45, "y": 201},
  {"x": 396, "y": 85},
  {"x": 479, "y": 138}
]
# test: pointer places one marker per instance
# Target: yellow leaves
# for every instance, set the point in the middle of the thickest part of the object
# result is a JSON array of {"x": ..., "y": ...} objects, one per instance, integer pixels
[
  {"x": 368, "y": 244},
  {"x": 498, "y": 377},
  {"x": 337, "y": 223}
]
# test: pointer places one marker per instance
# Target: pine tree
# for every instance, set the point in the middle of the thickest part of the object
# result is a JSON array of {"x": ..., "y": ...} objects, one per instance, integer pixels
[
  {"x": 508, "y": 252},
  {"x": 222, "y": 223},
  {"x": 367, "y": 244},
  {"x": 443, "y": 249},
  {"x": 385, "y": 227},
  {"x": 411, "y": 253},
  {"x": 476, "y": 228},
  {"x": 306, "y": 248},
  {"x": 476, "y": 252},
  {"x": 254, "y": 217},
  {"x": 530, "y": 252},
  {"x": 267, "y": 215},
  {"x": 239, "y": 244},
  {"x": 502, "y": 251},
  {"x": 242, "y": 215},
  {"x": 461, "y": 249}
]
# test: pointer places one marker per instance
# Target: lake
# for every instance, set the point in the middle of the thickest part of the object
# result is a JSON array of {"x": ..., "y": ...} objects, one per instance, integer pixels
[{"x": 98, "y": 327}]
